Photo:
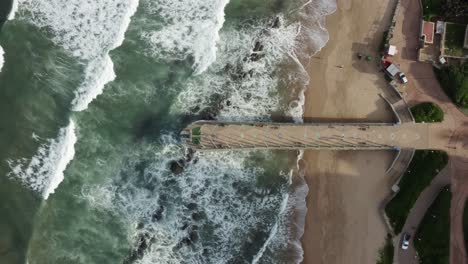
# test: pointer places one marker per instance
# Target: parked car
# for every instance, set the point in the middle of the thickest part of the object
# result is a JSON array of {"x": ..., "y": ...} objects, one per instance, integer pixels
[
  {"x": 403, "y": 77},
  {"x": 405, "y": 241}
]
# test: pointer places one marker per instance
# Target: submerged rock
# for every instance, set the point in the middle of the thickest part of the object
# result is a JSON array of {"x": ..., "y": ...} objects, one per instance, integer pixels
[
  {"x": 158, "y": 214},
  {"x": 137, "y": 253},
  {"x": 176, "y": 167},
  {"x": 276, "y": 23}
]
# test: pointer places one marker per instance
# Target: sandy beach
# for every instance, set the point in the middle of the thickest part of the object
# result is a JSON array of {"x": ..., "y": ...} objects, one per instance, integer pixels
[{"x": 343, "y": 222}]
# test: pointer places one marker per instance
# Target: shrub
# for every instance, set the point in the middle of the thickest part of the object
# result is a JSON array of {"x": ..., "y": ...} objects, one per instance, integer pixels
[
  {"x": 454, "y": 80},
  {"x": 427, "y": 113},
  {"x": 386, "y": 252}
]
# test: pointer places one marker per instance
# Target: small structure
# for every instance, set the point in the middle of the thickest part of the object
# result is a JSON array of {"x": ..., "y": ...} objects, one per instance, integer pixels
[
  {"x": 392, "y": 50},
  {"x": 440, "y": 27},
  {"x": 392, "y": 70},
  {"x": 427, "y": 32}
]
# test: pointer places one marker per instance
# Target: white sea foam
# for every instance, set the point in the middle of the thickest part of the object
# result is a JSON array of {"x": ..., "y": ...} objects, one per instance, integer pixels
[
  {"x": 44, "y": 171},
  {"x": 14, "y": 8},
  {"x": 89, "y": 30},
  {"x": 248, "y": 88},
  {"x": 226, "y": 193},
  {"x": 188, "y": 28},
  {"x": 1, "y": 58}
]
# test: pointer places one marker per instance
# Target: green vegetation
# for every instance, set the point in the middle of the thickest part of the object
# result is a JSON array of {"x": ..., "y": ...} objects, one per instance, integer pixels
[
  {"x": 196, "y": 140},
  {"x": 432, "y": 8},
  {"x": 425, "y": 165},
  {"x": 196, "y": 131},
  {"x": 454, "y": 80},
  {"x": 432, "y": 238},
  {"x": 383, "y": 43},
  {"x": 386, "y": 253},
  {"x": 454, "y": 39},
  {"x": 465, "y": 225},
  {"x": 427, "y": 113}
]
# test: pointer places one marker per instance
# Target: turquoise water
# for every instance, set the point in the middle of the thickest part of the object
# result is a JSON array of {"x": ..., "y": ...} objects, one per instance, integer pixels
[{"x": 93, "y": 96}]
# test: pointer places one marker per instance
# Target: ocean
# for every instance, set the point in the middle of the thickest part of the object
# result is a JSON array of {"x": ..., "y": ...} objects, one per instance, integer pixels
[{"x": 93, "y": 95}]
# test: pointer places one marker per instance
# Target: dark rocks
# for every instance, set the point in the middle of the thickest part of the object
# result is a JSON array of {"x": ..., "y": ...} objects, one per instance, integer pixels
[
  {"x": 176, "y": 167},
  {"x": 189, "y": 154},
  {"x": 198, "y": 216},
  {"x": 143, "y": 244},
  {"x": 276, "y": 23},
  {"x": 258, "y": 46},
  {"x": 158, "y": 214},
  {"x": 192, "y": 206}
]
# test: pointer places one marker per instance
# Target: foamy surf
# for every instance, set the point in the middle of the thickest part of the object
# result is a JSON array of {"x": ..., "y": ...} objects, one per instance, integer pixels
[
  {"x": 14, "y": 9},
  {"x": 2, "y": 60},
  {"x": 44, "y": 171},
  {"x": 190, "y": 29},
  {"x": 89, "y": 30}
]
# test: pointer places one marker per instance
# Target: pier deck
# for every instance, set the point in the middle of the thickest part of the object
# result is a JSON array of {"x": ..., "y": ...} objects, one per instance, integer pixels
[{"x": 210, "y": 135}]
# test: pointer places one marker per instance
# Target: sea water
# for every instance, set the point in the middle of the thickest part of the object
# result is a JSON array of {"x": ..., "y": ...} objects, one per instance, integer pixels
[{"x": 94, "y": 94}]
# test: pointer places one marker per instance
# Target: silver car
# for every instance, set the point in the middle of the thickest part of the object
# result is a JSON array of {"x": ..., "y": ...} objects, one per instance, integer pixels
[{"x": 405, "y": 242}]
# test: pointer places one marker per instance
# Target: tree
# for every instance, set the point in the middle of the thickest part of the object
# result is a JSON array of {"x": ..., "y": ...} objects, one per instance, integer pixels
[
  {"x": 454, "y": 80},
  {"x": 456, "y": 8}
]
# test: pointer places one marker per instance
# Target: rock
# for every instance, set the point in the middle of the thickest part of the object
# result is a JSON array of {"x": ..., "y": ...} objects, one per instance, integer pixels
[
  {"x": 176, "y": 168},
  {"x": 158, "y": 214},
  {"x": 189, "y": 154},
  {"x": 256, "y": 56},
  {"x": 228, "y": 103},
  {"x": 192, "y": 206},
  {"x": 276, "y": 23},
  {"x": 193, "y": 236},
  {"x": 258, "y": 46},
  {"x": 197, "y": 216}
]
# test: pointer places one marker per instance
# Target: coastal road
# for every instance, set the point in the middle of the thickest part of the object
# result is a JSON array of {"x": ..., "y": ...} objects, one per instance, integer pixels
[{"x": 417, "y": 214}]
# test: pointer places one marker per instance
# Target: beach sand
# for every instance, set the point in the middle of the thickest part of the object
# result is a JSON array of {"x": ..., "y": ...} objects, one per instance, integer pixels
[{"x": 346, "y": 188}]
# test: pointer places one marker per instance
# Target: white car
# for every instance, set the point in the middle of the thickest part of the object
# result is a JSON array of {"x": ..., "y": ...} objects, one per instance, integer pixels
[
  {"x": 403, "y": 77},
  {"x": 405, "y": 242}
]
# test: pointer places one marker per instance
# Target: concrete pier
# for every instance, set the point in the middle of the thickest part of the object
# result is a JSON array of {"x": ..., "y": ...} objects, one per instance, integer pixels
[{"x": 211, "y": 135}]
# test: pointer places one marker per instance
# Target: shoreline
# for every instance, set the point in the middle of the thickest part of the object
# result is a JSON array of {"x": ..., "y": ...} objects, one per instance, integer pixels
[{"x": 346, "y": 188}]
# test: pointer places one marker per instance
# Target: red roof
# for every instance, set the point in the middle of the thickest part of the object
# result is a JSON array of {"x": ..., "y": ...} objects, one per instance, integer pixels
[{"x": 428, "y": 31}]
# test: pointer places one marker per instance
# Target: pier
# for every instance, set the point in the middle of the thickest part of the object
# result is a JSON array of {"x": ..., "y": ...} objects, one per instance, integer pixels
[{"x": 212, "y": 135}]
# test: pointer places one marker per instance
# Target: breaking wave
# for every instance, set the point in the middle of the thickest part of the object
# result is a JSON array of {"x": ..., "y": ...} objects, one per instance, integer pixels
[
  {"x": 186, "y": 28},
  {"x": 14, "y": 8},
  {"x": 89, "y": 30},
  {"x": 44, "y": 171},
  {"x": 1, "y": 58}
]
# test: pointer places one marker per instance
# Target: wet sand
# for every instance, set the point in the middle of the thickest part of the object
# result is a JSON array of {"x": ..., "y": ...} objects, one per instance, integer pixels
[{"x": 343, "y": 223}]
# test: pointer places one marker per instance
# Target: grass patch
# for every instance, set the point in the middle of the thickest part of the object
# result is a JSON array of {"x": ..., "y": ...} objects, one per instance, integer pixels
[
  {"x": 196, "y": 140},
  {"x": 196, "y": 131},
  {"x": 427, "y": 113},
  {"x": 425, "y": 165},
  {"x": 432, "y": 8},
  {"x": 432, "y": 238},
  {"x": 454, "y": 39},
  {"x": 386, "y": 252}
]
